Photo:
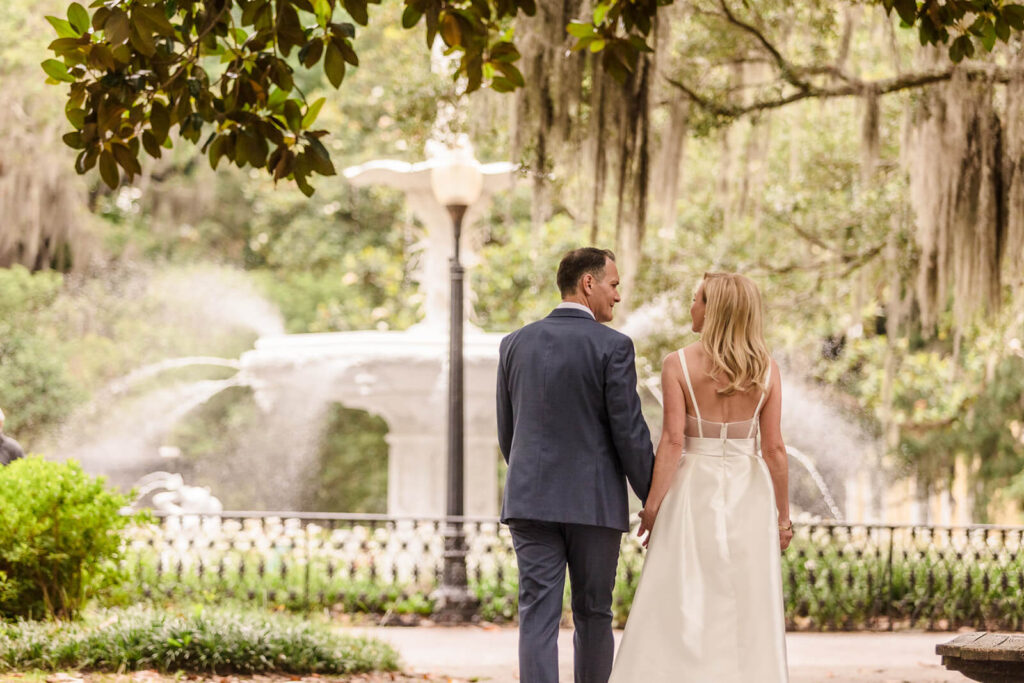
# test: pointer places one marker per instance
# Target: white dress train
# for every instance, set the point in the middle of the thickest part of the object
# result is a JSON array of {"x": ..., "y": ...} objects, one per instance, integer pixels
[{"x": 708, "y": 607}]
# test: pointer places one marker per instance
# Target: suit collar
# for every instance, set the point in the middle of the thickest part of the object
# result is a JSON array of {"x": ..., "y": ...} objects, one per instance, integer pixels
[{"x": 570, "y": 313}]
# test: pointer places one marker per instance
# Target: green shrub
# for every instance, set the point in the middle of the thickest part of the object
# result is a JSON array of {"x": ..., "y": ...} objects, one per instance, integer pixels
[
  {"x": 59, "y": 538},
  {"x": 205, "y": 641}
]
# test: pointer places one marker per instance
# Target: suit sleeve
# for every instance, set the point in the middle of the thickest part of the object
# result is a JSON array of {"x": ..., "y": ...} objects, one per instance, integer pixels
[
  {"x": 629, "y": 431},
  {"x": 504, "y": 406}
]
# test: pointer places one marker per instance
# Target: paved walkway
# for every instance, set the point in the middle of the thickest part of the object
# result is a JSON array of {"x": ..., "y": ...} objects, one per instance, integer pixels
[{"x": 489, "y": 654}]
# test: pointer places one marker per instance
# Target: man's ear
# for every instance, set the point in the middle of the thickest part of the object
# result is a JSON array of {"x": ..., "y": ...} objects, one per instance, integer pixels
[{"x": 587, "y": 282}]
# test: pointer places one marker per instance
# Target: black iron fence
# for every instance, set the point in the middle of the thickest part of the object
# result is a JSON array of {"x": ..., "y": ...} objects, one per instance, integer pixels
[{"x": 835, "y": 575}]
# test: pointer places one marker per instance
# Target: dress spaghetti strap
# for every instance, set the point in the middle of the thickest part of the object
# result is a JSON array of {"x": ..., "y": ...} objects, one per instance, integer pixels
[{"x": 693, "y": 397}]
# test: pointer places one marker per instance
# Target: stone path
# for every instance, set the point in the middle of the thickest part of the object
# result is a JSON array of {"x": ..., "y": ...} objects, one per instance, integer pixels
[{"x": 489, "y": 654}]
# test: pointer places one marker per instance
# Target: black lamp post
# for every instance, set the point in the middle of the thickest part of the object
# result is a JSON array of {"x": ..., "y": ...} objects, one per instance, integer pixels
[{"x": 457, "y": 182}]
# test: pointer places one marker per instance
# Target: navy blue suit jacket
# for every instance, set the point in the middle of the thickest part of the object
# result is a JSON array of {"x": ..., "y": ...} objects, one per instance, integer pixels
[{"x": 569, "y": 422}]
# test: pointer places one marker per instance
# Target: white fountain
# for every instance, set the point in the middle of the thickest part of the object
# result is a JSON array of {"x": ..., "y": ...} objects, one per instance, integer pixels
[{"x": 400, "y": 375}]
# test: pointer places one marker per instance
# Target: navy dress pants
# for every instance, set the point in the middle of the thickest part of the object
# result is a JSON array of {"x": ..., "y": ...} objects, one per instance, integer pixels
[{"x": 543, "y": 551}]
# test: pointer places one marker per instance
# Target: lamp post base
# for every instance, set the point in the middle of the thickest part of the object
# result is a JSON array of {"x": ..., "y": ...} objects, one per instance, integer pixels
[
  {"x": 455, "y": 606},
  {"x": 453, "y": 602}
]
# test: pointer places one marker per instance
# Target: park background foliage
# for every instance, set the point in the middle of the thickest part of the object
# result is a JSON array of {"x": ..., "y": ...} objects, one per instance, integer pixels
[{"x": 807, "y": 198}]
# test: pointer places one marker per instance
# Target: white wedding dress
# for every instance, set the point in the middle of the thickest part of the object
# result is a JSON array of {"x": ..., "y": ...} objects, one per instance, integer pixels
[{"x": 708, "y": 608}]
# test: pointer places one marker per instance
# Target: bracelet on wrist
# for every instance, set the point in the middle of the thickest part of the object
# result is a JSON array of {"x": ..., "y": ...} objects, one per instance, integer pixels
[{"x": 788, "y": 526}]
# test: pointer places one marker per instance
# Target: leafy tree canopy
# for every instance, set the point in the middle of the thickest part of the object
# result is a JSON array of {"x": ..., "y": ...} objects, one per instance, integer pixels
[{"x": 224, "y": 69}]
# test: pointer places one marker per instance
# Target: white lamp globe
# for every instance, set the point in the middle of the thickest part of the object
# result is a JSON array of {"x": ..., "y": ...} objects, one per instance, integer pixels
[{"x": 455, "y": 178}]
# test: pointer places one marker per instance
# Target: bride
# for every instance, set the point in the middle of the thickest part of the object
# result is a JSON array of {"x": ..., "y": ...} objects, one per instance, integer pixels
[{"x": 708, "y": 607}]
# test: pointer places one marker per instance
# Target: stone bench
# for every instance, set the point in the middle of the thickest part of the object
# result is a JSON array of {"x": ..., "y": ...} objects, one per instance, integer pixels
[{"x": 987, "y": 657}]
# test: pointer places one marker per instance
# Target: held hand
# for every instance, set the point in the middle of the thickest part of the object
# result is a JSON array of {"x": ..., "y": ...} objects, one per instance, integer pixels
[
  {"x": 646, "y": 524},
  {"x": 785, "y": 534}
]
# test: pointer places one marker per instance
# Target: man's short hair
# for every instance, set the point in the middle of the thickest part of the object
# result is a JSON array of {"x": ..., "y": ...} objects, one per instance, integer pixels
[{"x": 577, "y": 263}]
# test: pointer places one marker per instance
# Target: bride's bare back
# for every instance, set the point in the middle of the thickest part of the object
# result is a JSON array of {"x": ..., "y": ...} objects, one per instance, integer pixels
[{"x": 736, "y": 411}]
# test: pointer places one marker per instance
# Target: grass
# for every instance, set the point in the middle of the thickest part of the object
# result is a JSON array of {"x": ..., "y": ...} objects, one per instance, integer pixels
[
  {"x": 204, "y": 641},
  {"x": 152, "y": 677}
]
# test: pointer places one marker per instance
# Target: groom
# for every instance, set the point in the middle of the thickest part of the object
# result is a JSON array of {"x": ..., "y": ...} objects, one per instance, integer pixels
[{"x": 570, "y": 428}]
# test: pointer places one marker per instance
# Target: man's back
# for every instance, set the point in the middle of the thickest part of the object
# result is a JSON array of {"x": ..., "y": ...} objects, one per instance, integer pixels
[{"x": 569, "y": 422}]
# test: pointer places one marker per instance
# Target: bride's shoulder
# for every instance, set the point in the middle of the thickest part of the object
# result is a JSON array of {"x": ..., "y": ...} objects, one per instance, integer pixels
[{"x": 674, "y": 359}]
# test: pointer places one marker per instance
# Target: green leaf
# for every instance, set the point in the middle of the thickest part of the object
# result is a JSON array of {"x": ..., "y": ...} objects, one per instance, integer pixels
[
  {"x": 411, "y": 16},
  {"x": 255, "y": 148},
  {"x": 512, "y": 73},
  {"x": 85, "y": 161},
  {"x": 217, "y": 150},
  {"x": 289, "y": 29},
  {"x": 580, "y": 29},
  {"x": 153, "y": 19},
  {"x": 988, "y": 37},
  {"x": 151, "y": 145},
  {"x": 159, "y": 121},
  {"x": 101, "y": 55},
  {"x": 640, "y": 45},
  {"x": 501, "y": 84},
  {"x": 251, "y": 11},
  {"x": 312, "y": 112},
  {"x": 907, "y": 9},
  {"x": 357, "y": 10},
  {"x": 126, "y": 159},
  {"x": 958, "y": 49},
  {"x": 1002, "y": 29},
  {"x": 614, "y": 66},
  {"x": 311, "y": 52},
  {"x": 62, "y": 46},
  {"x": 343, "y": 30},
  {"x": 76, "y": 115},
  {"x": 451, "y": 32},
  {"x": 347, "y": 52},
  {"x": 142, "y": 39},
  {"x": 968, "y": 47},
  {"x": 304, "y": 186},
  {"x": 57, "y": 70},
  {"x": 99, "y": 18},
  {"x": 432, "y": 19},
  {"x": 926, "y": 32},
  {"x": 293, "y": 115},
  {"x": 64, "y": 27},
  {"x": 504, "y": 52},
  {"x": 323, "y": 9},
  {"x": 277, "y": 99},
  {"x": 117, "y": 28},
  {"x": 281, "y": 75},
  {"x": 281, "y": 162},
  {"x": 74, "y": 140},
  {"x": 1014, "y": 16},
  {"x": 319, "y": 157},
  {"x": 582, "y": 44},
  {"x": 600, "y": 12},
  {"x": 979, "y": 26},
  {"x": 597, "y": 45},
  {"x": 108, "y": 170},
  {"x": 78, "y": 17},
  {"x": 334, "y": 65}
]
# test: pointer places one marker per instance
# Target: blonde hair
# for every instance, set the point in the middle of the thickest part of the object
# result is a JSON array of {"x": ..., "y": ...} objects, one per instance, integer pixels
[{"x": 733, "y": 334}]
